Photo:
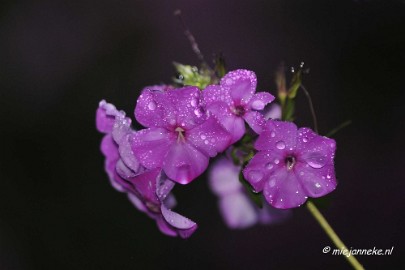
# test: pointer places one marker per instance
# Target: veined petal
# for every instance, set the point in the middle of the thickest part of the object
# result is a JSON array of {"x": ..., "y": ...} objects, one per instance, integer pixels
[
  {"x": 150, "y": 146},
  {"x": 241, "y": 85},
  {"x": 283, "y": 190},
  {"x": 184, "y": 163},
  {"x": 209, "y": 137},
  {"x": 255, "y": 120},
  {"x": 260, "y": 100},
  {"x": 277, "y": 136}
]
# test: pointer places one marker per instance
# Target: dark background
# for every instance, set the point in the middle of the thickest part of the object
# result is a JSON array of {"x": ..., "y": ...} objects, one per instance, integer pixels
[{"x": 60, "y": 58}]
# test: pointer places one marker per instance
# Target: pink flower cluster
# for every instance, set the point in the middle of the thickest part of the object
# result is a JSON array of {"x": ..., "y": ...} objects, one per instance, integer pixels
[{"x": 186, "y": 127}]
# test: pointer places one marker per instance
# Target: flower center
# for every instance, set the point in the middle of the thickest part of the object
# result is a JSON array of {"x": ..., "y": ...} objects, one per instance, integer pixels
[
  {"x": 180, "y": 135},
  {"x": 289, "y": 162},
  {"x": 238, "y": 110}
]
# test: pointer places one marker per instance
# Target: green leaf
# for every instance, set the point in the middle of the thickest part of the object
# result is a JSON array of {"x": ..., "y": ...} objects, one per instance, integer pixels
[
  {"x": 288, "y": 110},
  {"x": 191, "y": 75},
  {"x": 255, "y": 197}
]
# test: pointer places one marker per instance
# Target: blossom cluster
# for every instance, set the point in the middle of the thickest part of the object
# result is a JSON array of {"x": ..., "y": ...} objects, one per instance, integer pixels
[{"x": 185, "y": 128}]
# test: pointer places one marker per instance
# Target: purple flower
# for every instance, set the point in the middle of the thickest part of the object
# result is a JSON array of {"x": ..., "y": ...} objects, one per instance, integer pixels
[
  {"x": 180, "y": 137},
  {"x": 291, "y": 165},
  {"x": 237, "y": 209},
  {"x": 148, "y": 190},
  {"x": 234, "y": 101}
]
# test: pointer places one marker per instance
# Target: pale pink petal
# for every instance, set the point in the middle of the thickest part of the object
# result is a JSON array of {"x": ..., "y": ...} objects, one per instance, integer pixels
[
  {"x": 237, "y": 211},
  {"x": 185, "y": 226},
  {"x": 223, "y": 177}
]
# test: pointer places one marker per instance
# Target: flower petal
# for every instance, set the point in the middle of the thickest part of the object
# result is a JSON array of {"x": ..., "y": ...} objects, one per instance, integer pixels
[
  {"x": 185, "y": 226},
  {"x": 188, "y": 103},
  {"x": 145, "y": 185},
  {"x": 209, "y": 137},
  {"x": 241, "y": 85},
  {"x": 316, "y": 182},
  {"x": 272, "y": 111},
  {"x": 104, "y": 118},
  {"x": 317, "y": 151},
  {"x": 260, "y": 100},
  {"x": 224, "y": 177},
  {"x": 238, "y": 211},
  {"x": 164, "y": 227},
  {"x": 283, "y": 190},
  {"x": 184, "y": 163},
  {"x": 277, "y": 136},
  {"x": 261, "y": 166},
  {"x": 255, "y": 120},
  {"x": 154, "y": 109},
  {"x": 271, "y": 215},
  {"x": 150, "y": 146}
]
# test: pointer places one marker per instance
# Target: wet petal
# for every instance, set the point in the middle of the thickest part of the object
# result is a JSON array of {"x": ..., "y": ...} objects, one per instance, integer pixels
[
  {"x": 184, "y": 163},
  {"x": 188, "y": 103},
  {"x": 185, "y": 226},
  {"x": 154, "y": 109},
  {"x": 261, "y": 166},
  {"x": 272, "y": 111},
  {"x": 215, "y": 93},
  {"x": 145, "y": 185},
  {"x": 209, "y": 137},
  {"x": 283, "y": 190},
  {"x": 277, "y": 136},
  {"x": 164, "y": 227},
  {"x": 317, "y": 151},
  {"x": 255, "y": 120},
  {"x": 224, "y": 177},
  {"x": 238, "y": 211},
  {"x": 240, "y": 84},
  {"x": 260, "y": 100},
  {"x": 316, "y": 182},
  {"x": 105, "y": 117},
  {"x": 150, "y": 146}
]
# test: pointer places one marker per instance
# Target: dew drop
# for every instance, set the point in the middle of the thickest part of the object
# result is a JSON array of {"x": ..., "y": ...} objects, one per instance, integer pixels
[
  {"x": 328, "y": 176},
  {"x": 255, "y": 176},
  {"x": 280, "y": 145},
  {"x": 152, "y": 105},
  {"x": 258, "y": 105},
  {"x": 203, "y": 137},
  {"x": 276, "y": 161},
  {"x": 305, "y": 139},
  {"x": 272, "y": 183},
  {"x": 269, "y": 166},
  {"x": 317, "y": 185},
  {"x": 272, "y": 134},
  {"x": 197, "y": 112},
  {"x": 193, "y": 102},
  {"x": 316, "y": 161},
  {"x": 206, "y": 142}
]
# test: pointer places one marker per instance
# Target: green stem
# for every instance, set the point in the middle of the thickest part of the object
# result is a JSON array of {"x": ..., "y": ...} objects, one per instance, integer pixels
[{"x": 332, "y": 235}]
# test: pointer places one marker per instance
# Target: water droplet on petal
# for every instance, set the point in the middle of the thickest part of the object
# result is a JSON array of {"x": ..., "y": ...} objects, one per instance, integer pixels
[
  {"x": 269, "y": 166},
  {"x": 258, "y": 105},
  {"x": 152, "y": 105},
  {"x": 280, "y": 145},
  {"x": 317, "y": 185},
  {"x": 193, "y": 102},
  {"x": 328, "y": 176},
  {"x": 305, "y": 139},
  {"x": 272, "y": 134},
  {"x": 197, "y": 112},
  {"x": 272, "y": 183},
  {"x": 276, "y": 161},
  {"x": 206, "y": 142},
  {"x": 316, "y": 161},
  {"x": 203, "y": 137},
  {"x": 255, "y": 176}
]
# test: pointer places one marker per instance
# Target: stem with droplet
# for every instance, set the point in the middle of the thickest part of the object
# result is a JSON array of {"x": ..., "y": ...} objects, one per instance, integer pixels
[{"x": 332, "y": 235}]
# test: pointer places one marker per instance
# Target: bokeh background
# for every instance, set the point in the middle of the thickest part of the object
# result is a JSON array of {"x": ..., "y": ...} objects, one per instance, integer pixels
[{"x": 60, "y": 58}]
